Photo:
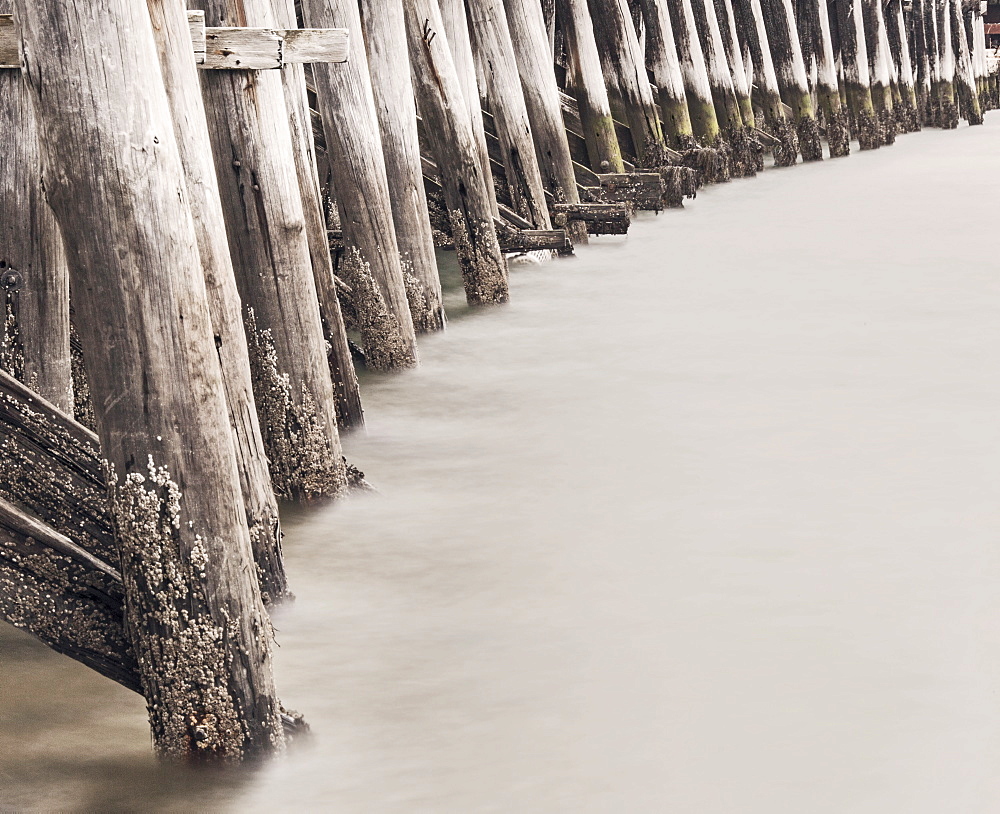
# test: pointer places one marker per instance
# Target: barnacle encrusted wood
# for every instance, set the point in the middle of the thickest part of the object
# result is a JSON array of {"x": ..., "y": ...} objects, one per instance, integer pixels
[
  {"x": 201, "y": 637},
  {"x": 467, "y": 197},
  {"x": 184, "y": 95},
  {"x": 266, "y": 226}
]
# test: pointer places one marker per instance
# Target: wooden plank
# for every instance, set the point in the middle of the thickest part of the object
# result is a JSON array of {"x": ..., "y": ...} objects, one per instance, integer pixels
[
  {"x": 10, "y": 43},
  {"x": 261, "y": 49},
  {"x": 245, "y": 49},
  {"x": 196, "y": 24},
  {"x": 316, "y": 45}
]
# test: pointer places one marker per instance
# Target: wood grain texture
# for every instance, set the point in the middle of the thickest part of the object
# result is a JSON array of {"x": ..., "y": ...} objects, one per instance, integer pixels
[
  {"x": 452, "y": 141},
  {"x": 350, "y": 413},
  {"x": 180, "y": 78},
  {"x": 193, "y": 609},
  {"x": 385, "y": 38},
  {"x": 35, "y": 344},
  {"x": 370, "y": 262},
  {"x": 585, "y": 81},
  {"x": 265, "y": 222},
  {"x": 503, "y": 96}
]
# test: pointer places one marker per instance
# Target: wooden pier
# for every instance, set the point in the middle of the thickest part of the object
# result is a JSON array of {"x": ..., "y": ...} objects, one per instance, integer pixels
[{"x": 210, "y": 215}]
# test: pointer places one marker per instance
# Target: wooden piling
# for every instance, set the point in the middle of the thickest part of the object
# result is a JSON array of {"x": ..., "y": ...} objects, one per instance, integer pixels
[
  {"x": 726, "y": 17},
  {"x": 878, "y": 64},
  {"x": 779, "y": 20},
  {"x": 370, "y": 262},
  {"x": 833, "y": 111},
  {"x": 907, "y": 116},
  {"x": 385, "y": 38},
  {"x": 857, "y": 76},
  {"x": 923, "y": 47},
  {"x": 947, "y": 98},
  {"x": 503, "y": 95},
  {"x": 965, "y": 78},
  {"x": 665, "y": 67},
  {"x": 456, "y": 29},
  {"x": 262, "y": 204},
  {"x": 173, "y": 42},
  {"x": 193, "y": 609},
  {"x": 34, "y": 278},
  {"x": 747, "y": 156},
  {"x": 453, "y": 143},
  {"x": 346, "y": 390},
  {"x": 541, "y": 96},
  {"x": 585, "y": 81},
  {"x": 765, "y": 93},
  {"x": 697, "y": 86},
  {"x": 629, "y": 92}
]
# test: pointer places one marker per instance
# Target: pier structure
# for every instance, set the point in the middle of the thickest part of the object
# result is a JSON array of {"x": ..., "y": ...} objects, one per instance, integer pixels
[{"x": 212, "y": 215}]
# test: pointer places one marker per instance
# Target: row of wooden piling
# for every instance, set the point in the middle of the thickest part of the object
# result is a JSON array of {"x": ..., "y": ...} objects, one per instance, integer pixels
[{"x": 208, "y": 215}]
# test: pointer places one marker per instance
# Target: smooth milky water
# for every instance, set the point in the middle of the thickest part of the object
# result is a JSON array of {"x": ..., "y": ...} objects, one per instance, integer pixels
[{"x": 705, "y": 521}]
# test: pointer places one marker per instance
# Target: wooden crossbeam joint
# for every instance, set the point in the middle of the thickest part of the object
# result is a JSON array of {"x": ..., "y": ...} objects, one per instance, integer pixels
[{"x": 241, "y": 49}]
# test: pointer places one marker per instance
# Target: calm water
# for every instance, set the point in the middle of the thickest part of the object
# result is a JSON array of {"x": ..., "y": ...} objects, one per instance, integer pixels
[{"x": 706, "y": 521}]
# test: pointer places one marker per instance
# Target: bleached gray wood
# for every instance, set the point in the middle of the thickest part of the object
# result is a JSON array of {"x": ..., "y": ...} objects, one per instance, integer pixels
[
  {"x": 196, "y": 28},
  {"x": 541, "y": 96},
  {"x": 453, "y": 144},
  {"x": 193, "y": 608},
  {"x": 261, "y": 49},
  {"x": 345, "y": 380},
  {"x": 786, "y": 51},
  {"x": 262, "y": 203},
  {"x": 180, "y": 78},
  {"x": 585, "y": 81},
  {"x": 629, "y": 91},
  {"x": 370, "y": 262},
  {"x": 385, "y": 38},
  {"x": 35, "y": 343},
  {"x": 10, "y": 43},
  {"x": 504, "y": 97},
  {"x": 456, "y": 29},
  {"x": 665, "y": 66}
]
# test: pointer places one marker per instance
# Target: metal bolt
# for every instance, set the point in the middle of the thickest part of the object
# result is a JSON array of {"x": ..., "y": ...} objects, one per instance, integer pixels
[{"x": 11, "y": 280}]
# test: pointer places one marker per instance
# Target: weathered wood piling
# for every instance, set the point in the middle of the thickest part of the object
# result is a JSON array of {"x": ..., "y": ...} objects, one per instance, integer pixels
[
  {"x": 160, "y": 183},
  {"x": 34, "y": 278},
  {"x": 192, "y": 605}
]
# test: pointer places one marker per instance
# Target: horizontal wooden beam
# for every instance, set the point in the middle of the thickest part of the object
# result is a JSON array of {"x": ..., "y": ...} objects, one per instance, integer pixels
[
  {"x": 241, "y": 49},
  {"x": 10, "y": 43}
]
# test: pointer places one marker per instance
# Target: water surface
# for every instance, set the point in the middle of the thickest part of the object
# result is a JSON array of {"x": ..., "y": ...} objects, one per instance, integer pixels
[{"x": 705, "y": 521}]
